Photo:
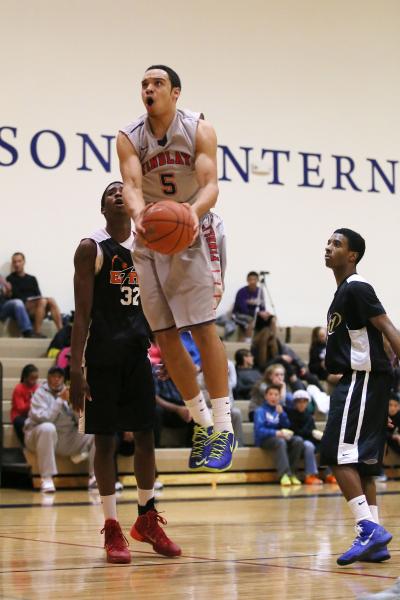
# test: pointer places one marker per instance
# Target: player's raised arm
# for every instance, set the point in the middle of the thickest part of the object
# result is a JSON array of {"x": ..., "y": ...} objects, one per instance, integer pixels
[
  {"x": 84, "y": 261},
  {"x": 385, "y": 325},
  {"x": 131, "y": 172},
  {"x": 206, "y": 168}
]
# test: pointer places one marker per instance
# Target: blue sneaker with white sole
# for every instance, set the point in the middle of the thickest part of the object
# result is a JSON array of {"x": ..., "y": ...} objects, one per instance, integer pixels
[
  {"x": 201, "y": 448},
  {"x": 370, "y": 538},
  {"x": 222, "y": 445}
]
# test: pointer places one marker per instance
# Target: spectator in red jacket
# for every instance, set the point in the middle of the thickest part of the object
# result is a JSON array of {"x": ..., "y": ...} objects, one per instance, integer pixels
[{"x": 21, "y": 398}]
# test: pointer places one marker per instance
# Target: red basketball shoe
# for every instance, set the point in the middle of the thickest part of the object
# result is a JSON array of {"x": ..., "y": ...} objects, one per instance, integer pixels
[
  {"x": 147, "y": 529},
  {"x": 115, "y": 543}
]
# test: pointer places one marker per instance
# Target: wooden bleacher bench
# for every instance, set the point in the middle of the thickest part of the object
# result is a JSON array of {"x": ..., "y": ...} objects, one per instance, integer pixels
[{"x": 250, "y": 464}]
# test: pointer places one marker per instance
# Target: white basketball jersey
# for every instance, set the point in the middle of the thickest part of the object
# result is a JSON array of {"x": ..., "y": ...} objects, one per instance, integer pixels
[{"x": 167, "y": 164}]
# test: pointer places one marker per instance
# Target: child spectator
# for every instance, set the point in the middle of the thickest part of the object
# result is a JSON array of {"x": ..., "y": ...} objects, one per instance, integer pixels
[
  {"x": 247, "y": 375},
  {"x": 52, "y": 427},
  {"x": 22, "y": 397},
  {"x": 272, "y": 432},
  {"x": 317, "y": 356},
  {"x": 393, "y": 433},
  {"x": 303, "y": 424},
  {"x": 267, "y": 350},
  {"x": 275, "y": 375},
  {"x": 26, "y": 288}
]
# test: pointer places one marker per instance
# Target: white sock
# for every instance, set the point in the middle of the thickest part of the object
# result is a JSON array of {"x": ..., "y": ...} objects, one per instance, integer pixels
[
  {"x": 374, "y": 513},
  {"x": 109, "y": 506},
  {"x": 144, "y": 496},
  {"x": 221, "y": 408},
  {"x": 199, "y": 410},
  {"x": 360, "y": 509}
]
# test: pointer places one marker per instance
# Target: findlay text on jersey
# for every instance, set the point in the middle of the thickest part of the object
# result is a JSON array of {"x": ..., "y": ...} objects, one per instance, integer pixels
[{"x": 47, "y": 149}]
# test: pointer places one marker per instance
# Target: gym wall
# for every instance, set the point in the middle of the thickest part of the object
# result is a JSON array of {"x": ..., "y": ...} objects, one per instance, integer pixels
[{"x": 304, "y": 96}]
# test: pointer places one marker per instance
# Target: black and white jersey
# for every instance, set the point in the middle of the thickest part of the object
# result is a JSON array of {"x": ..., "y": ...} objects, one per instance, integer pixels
[
  {"x": 118, "y": 326},
  {"x": 353, "y": 343}
]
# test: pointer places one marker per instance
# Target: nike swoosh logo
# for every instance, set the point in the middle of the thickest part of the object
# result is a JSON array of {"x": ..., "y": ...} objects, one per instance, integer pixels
[
  {"x": 367, "y": 540},
  {"x": 200, "y": 462},
  {"x": 360, "y": 503}
]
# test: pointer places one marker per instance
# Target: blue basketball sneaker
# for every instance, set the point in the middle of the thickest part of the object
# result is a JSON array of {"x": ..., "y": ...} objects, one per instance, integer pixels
[
  {"x": 371, "y": 537},
  {"x": 377, "y": 556},
  {"x": 200, "y": 449},
  {"x": 222, "y": 445}
]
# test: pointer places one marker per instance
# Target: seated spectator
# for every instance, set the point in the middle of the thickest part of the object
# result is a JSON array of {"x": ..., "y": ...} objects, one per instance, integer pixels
[
  {"x": 272, "y": 432},
  {"x": 22, "y": 397},
  {"x": 393, "y": 432},
  {"x": 249, "y": 304},
  {"x": 267, "y": 349},
  {"x": 26, "y": 288},
  {"x": 62, "y": 339},
  {"x": 171, "y": 409},
  {"x": 273, "y": 375},
  {"x": 14, "y": 309},
  {"x": 317, "y": 356},
  {"x": 52, "y": 427},
  {"x": 247, "y": 375},
  {"x": 303, "y": 424}
]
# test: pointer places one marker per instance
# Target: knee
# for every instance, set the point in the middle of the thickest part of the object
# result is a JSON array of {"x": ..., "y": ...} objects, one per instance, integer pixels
[
  {"x": 18, "y": 304},
  {"x": 105, "y": 444},
  {"x": 280, "y": 442},
  {"x": 51, "y": 303},
  {"x": 201, "y": 333},
  {"x": 47, "y": 428},
  {"x": 308, "y": 446},
  {"x": 46, "y": 431},
  {"x": 169, "y": 340},
  {"x": 297, "y": 441},
  {"x": 144, "y": 440}
]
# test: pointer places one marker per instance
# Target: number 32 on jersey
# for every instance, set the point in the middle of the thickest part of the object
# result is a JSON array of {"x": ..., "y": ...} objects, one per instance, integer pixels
[{"x": 130, "y": 295}]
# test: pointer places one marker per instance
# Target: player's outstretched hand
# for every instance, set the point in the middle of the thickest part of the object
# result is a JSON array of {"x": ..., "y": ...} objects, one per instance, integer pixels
[
  {"x": 79, "y": 390},
  {"x": 139, "y": 228},
  {"x": 195, "y": 219}
]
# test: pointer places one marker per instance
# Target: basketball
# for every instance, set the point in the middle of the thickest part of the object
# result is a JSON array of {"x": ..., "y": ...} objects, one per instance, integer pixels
[{"x": 168, "y": 226}]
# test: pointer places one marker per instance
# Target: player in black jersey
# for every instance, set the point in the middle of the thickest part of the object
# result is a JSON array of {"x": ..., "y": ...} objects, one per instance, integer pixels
[
  {"x": 111, "y": 336},
  {"x": 354, "y": 437}
]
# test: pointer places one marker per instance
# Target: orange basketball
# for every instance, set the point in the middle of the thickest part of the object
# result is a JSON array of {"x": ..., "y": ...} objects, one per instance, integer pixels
[{"x": 168, "y": 225}]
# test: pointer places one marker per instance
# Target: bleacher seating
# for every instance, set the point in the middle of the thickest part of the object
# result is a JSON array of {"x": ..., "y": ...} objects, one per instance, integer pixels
[{"x": 250, "y": 463}]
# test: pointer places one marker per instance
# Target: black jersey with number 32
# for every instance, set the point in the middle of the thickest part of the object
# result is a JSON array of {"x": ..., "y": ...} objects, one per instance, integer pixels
[
  {"x": 354, "y": 344},
  {"x": 118, "y": 326}
]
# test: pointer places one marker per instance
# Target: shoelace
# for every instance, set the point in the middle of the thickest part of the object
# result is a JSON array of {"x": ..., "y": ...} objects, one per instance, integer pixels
[
  {"x": 359, "y": 531},
  {"x": 154, "y": 518},
  {"x": 219, "y": 440},
  {"x": 199, "y": 441},
  {"x": 114, "y": 537}
]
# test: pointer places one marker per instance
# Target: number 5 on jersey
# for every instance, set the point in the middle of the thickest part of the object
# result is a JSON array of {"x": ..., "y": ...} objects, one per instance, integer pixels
[{"x": 168, "y": 184}]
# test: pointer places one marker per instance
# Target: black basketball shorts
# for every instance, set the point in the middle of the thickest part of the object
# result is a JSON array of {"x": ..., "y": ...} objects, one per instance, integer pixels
[
  {"x": 355, "y": 432},
  {"x": 123, "y": 397}
]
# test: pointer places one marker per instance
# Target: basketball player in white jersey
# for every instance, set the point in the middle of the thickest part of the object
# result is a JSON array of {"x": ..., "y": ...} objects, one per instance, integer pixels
[{"x": 171, "y": 154}]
